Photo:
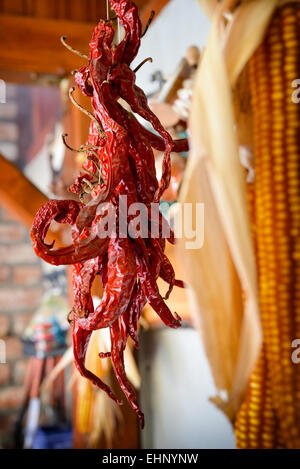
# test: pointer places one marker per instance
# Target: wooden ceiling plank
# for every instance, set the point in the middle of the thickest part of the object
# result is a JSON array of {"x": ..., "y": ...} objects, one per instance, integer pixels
[
  {"x": 30, "y": 6},
  {"x": 29, "y": 44},
  {"x": 43, "y": 9},
  {"x": 77, "y": 12},
  {"x": 33, "y": 45},
  {"x": 14, "y": 7},
  {"x": 63, "y": 9}
]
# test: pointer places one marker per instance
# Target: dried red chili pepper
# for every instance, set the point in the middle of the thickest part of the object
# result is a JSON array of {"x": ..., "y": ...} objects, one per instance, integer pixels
[
  {"x": 80, "y": 343},
  {"x": 121, "y": 277},
  {"x": 83, "y": 277},
  {"x": 62, "y": 211},
  {"x": 120, "y": 162},
  {"x": 117, "y": 358}
]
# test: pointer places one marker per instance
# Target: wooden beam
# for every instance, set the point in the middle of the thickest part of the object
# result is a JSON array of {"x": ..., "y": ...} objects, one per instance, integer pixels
[
  {"x": 76, "y": 125},
  {"x": 77, "y": 10},
  {"x": 155, "y": 5},
  {"x": 20, "y": 197},
  {"x": 33, "y": 44},
  {"x": 28, "y": 78}
]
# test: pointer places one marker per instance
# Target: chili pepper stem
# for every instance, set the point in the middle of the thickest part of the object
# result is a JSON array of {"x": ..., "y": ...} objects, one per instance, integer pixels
[
  {"x": 149, "y": 59},
  {"x": 85, "y": 111},
  {"x": 64, "y": 43},
  {"x": 107, "y": 10},
  {"x": 88, "y": 183},
  {"x": 152, "y": 14},
  {"x": 89, "y": 147},
  {"x": 68, "y": 146}
]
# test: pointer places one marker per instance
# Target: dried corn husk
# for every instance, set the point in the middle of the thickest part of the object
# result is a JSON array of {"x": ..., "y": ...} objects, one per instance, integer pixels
[{"x": 222, "y": 273}]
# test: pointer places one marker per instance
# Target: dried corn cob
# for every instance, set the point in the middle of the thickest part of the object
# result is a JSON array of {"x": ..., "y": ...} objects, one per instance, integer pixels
[
  {"x": 273, "y": 68},
  {"x": 256, "y": 425}
]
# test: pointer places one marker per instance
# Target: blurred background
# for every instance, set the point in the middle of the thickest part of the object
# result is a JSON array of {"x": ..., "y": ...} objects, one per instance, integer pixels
[{"x": 43, "y": 402}]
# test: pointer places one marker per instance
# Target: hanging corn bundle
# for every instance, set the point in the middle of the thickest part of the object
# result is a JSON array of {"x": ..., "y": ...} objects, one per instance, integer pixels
[
  {"x": 246, "y": 278},
  {"x": 270, "y": 417}
]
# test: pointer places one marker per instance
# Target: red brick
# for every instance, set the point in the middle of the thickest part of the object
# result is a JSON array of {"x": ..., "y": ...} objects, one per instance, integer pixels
[
  {"x": 11, "y": 397},
  {"x": 4, "y": 325},
  {"x": 14, "y": 348},
  {"x": 14, "y": 299},
  {"x": 27, "y": 275},
  {"x": 17, "y": 254},
  {"x": 4, "y": 273},
  {"x": 9, "y": 131},
  {"x": 19, "y": 371},
  {"x": 4, "y": 373},
  {"x": 20, "y": 322},
  {"x": 10, "y": 233}
]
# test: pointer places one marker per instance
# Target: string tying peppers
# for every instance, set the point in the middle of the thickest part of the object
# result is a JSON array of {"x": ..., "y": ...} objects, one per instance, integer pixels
[{"x": 119, "y": 161}]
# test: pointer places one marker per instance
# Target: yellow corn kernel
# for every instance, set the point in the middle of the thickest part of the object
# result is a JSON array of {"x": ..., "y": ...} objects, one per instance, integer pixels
[{"x": 270, "y": 417}]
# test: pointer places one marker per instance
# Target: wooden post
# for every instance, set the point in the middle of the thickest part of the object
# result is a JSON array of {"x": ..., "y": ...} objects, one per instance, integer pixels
[{"x": 20, "y": 197}]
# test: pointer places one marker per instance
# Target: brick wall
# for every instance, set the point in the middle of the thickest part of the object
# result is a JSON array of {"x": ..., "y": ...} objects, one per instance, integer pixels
[
  {"x": 20, "y": 295},
  {"x": 20, "y": 270}
]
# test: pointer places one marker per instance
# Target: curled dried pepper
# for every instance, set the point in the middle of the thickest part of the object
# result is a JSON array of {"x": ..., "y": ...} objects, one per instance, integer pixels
[
  {"x": 119, "y": 162},
  {"x": 62, "y": 211}
]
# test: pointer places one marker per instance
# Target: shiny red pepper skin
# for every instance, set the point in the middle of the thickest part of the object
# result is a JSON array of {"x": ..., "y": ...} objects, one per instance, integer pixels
[
  {"x": 152, "y": 295},
  {"x": 123, "y": 79},
  {"x": 121, "y": 277},
  {"x": 127, "y": 12},
  {"x": 83, "y": 277},
  {"x": 62, "y": 211},
  {"x": 129, "y": 267}
]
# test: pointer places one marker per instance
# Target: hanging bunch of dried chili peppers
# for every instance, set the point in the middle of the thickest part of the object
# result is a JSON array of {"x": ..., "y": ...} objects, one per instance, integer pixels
[{"x": 119, "y": 162}]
